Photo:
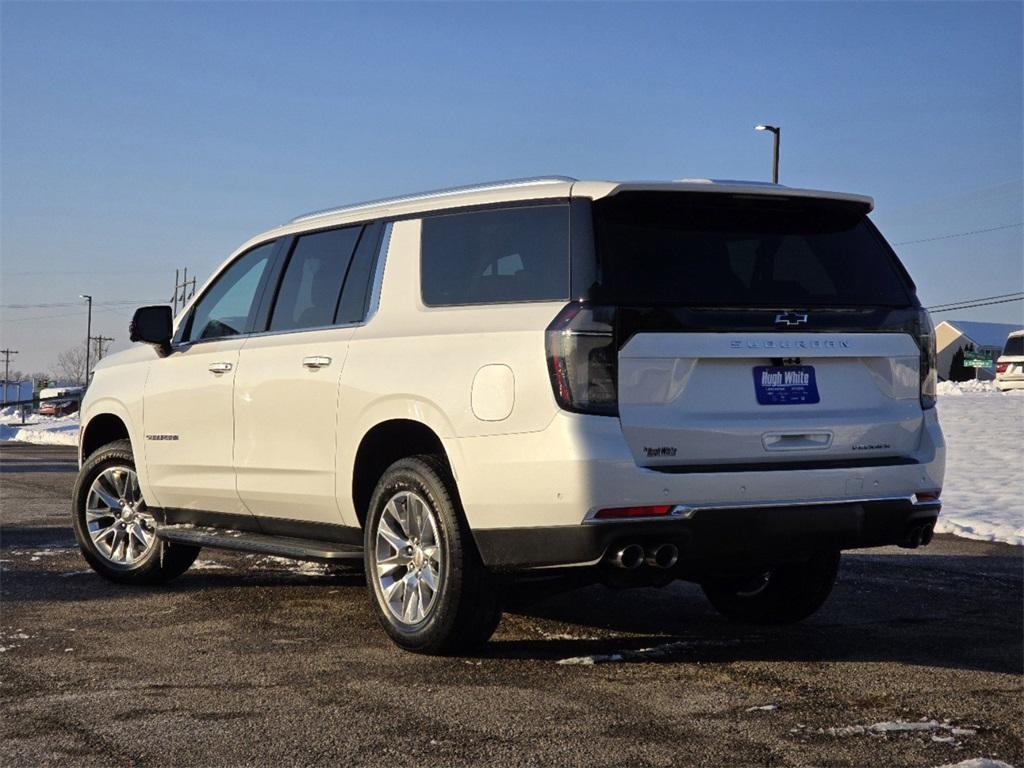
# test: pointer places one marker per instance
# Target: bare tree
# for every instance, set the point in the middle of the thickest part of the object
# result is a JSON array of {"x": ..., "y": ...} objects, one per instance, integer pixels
[{"x": 71, "y": 365}]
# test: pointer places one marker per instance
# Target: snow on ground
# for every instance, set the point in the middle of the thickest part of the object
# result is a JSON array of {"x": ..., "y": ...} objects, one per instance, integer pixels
[
  {"x": 983, "y": 495},
  {"x": 654, "y": 653},
  {"x": 49, "y": 430},
  {"x": 897, "y": 726}
]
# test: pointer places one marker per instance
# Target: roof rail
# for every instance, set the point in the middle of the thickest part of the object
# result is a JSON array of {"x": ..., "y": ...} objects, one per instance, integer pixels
[{"x": 493, "y": 185}]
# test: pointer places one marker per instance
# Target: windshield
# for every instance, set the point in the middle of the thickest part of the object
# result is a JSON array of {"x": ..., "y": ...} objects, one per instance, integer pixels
[
  {"x": 710, "y": 249},
  {"x": 1014, "y": 347}
]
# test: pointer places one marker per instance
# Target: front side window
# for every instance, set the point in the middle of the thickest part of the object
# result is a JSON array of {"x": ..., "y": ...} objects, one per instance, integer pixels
[
  {"x": 311, "y": 287},
  {"x": 225, "y": 309},
  {"x": 496, "y": 256}
]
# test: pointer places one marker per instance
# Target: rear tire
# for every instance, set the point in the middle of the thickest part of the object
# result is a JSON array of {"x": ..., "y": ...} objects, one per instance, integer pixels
[
  {"x": 113, "y": 526},
  {"x": 430, "y": 590},
  {"x": 783, "y": 594}
]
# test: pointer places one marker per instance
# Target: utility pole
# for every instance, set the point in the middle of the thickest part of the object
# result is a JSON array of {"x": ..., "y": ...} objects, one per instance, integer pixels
[
  {"x": 7, "y": 368},
  {"x": 88, "y": 336},
  {"x": 776, "y": 133},
  {"x": 184, "y": 289},
  {"x": 99, "y": 345}
]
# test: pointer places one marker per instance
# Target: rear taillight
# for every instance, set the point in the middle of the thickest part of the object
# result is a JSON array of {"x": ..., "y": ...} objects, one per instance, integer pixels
[
  {"x": 926, "y": 343},
  {"x": 583, "y": 359},
  {"x": 1001, "y": 367}
]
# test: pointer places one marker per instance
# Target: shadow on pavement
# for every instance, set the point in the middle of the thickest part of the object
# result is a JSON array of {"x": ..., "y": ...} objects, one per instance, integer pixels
[
  {"x": 951, "y": 611},
  {"x": 943, "y": 611}
]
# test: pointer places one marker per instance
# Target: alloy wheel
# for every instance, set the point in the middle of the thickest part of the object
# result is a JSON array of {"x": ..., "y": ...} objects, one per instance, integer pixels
[
  {"x": 117, "y": 519},
  {"x": 407, "y": 557}
]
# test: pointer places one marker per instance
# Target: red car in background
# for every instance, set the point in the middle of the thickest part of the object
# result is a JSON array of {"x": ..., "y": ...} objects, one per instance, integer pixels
[{"x": 58, "y": 408}]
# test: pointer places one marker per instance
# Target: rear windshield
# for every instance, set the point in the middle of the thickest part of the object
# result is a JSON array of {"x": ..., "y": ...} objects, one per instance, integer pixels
[
  {"x": 1014, "y": 346},
  {"x": 724, "y": 250}
]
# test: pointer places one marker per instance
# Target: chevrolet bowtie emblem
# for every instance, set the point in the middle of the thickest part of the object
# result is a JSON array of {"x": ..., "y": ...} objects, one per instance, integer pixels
[{"x": 790, "y": 318}]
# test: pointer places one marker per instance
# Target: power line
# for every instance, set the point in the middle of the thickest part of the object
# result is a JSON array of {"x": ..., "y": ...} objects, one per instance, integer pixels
[
  {"x": 961, "y": 234},
  {"x": 972, "y": 306},
  {"x": 981, "y": 298},
  {"x": 42, "y": 317},
  {"x": 82, "y": 313},
  {"x": 22, "y": 273},
  {"x": 50, "y": 305}
]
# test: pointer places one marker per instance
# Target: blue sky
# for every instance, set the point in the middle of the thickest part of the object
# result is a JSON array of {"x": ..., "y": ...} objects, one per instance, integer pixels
[{"x": 137, "y": 138}]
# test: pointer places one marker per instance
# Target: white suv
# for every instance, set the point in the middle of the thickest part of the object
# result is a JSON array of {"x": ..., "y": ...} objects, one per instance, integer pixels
[
  {"x": 1010, "y": 365},
  {"x": 723, "y": 382}
]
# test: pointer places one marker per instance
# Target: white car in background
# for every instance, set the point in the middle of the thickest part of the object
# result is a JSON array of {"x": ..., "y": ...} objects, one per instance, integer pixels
[{"x": 1010, "y": 365}]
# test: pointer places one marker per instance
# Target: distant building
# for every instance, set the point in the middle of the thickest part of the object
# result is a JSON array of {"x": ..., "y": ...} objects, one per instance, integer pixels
[
  {"x": 15, "y": 391},
  {"x": 951, "y": 335},
  {"x": 69, "y": 390}
]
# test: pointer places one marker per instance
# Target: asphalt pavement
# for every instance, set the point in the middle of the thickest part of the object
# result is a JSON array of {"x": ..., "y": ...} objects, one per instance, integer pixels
[{"x": 916, "y": 660}]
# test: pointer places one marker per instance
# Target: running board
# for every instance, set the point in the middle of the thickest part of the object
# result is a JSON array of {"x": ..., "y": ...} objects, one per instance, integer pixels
[{"x": 242, "y": 541}]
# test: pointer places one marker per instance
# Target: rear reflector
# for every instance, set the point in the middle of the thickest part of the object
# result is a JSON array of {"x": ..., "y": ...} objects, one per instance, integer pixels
[
  {"x": 620, "y": 512},
  {"x": 927, "y": 497}
]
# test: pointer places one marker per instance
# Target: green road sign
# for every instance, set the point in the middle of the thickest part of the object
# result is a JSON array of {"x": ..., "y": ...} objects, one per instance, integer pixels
[{"x": 978, "y": 360}]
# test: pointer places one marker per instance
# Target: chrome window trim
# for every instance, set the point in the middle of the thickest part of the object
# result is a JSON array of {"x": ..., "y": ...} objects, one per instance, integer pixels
[
  {"x": 378, "y": 275},
  {"x": 372, "y": 306}
]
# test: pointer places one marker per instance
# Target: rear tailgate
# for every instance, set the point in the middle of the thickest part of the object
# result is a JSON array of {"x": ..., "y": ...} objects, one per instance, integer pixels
[{"x": 688, "y": 400}]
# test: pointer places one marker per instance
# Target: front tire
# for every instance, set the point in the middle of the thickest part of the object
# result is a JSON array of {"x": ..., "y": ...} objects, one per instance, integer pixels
[
  {"x": 115, "y": 530},
  {"x": 428, "y": 586},
  {"x": 782, "y": 594}
]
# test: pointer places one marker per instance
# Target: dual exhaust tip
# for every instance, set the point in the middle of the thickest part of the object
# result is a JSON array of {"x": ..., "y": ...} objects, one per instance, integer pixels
[
  {"x": 918, "y": 536},
  {"x": 632, "y": 556}
]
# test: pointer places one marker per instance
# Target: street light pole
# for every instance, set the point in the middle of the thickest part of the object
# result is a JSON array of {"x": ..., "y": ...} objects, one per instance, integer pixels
[
  {"x": 776, "y": 132},
  {"x": 88, "y": 336}
]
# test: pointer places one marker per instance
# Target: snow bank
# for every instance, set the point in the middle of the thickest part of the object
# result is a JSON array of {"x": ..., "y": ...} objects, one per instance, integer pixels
[
  {"x": 62, "y": 430},
  {"x": 983, "y": 495},
  {"x": 973, "y": 387}
]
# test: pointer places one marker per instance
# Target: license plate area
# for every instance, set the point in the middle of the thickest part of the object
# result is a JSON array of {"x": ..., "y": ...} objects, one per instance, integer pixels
[{"x": 785, "y": 385}]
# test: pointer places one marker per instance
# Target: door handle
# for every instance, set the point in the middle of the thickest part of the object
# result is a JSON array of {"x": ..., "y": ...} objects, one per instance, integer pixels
[
  {"x": 315, "y": 362},
  {"x": 220, "y": 367}
]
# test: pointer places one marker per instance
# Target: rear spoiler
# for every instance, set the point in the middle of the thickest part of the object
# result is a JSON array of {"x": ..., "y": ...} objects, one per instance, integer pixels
[{"x": 596, "y": 190}]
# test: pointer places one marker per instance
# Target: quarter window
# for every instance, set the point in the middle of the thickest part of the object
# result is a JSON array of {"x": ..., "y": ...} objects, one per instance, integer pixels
[
  {"x": 311, "y": 288},
  {"x": 355, "y": 296},
  {"x": 225, "y": 309},
  {"x": 496, "y": 256}
]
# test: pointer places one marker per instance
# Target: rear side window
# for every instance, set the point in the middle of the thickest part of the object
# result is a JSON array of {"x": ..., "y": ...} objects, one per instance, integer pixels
[
  {"x": 1014, "y": 346},
  {"x": 718, "y": 250},
  {"x": 225, "y": 309},
  {"x": 311, "y": 287},
  {"x": 496, "y": 256}
]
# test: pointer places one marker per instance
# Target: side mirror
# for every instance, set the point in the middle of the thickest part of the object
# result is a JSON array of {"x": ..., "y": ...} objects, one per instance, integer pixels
[{"x": 153, "y": 325}]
